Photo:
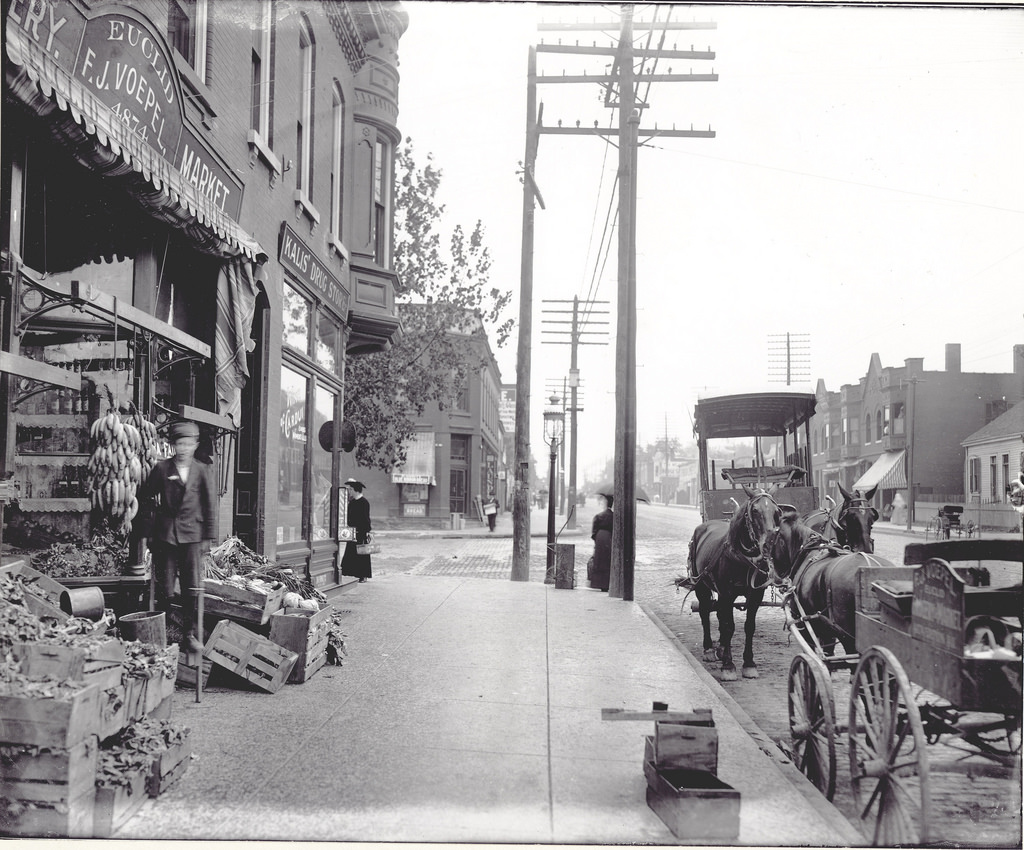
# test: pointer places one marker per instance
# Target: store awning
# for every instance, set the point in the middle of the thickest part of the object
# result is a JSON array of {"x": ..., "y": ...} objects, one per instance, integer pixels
[
  {"x": 99, "y": 140},
  {"x": 888, "y": 470},
  {"x": 419, "y": 461}
]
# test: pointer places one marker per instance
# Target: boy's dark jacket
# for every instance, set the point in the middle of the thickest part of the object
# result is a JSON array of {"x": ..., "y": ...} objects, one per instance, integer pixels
[{"x": 173, "y": 512}]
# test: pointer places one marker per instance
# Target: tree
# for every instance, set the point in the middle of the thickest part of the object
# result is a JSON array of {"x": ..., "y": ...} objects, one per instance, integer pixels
[{"x": 446, "y": 304}]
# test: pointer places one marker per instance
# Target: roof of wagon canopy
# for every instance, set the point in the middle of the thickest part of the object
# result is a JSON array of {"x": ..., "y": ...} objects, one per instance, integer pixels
[{"x": 772, "y": 414}]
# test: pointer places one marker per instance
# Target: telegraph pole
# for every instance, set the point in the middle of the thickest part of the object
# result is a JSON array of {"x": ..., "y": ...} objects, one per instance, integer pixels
[
  {"x": 620, "y": 582},
  {"x": 521, "y": 494},
  {"x": 623, "y": 79},
  {"x": 576, "y": 338}
]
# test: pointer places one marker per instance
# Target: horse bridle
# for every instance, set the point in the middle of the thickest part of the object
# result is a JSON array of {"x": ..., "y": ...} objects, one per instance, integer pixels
[
  {"x": 756, "y": 555},
  {"x": 857, "y": 504}
]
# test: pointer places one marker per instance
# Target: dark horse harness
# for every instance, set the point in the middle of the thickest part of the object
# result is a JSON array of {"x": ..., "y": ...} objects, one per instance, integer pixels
[
  {"x": 838, "y": 521},
  {"x": 759, "y": 558}
]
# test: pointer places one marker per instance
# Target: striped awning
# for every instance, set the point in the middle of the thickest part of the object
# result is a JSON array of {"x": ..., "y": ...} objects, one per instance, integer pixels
[
  {"x": 99, "y": 140},
  {"x": 889, "y": 470},
  {"x": 419, "y": 461}
]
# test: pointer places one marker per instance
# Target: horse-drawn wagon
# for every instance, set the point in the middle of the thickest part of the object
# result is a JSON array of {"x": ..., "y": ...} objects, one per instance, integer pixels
[{"x": 933, "y": 655}]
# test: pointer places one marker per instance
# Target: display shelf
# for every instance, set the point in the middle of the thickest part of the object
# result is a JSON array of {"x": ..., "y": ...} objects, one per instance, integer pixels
[
  {"x": 54, "y": 505},
  {"x": 56, "y": 420},
  {"x": 39, "y": 458}
]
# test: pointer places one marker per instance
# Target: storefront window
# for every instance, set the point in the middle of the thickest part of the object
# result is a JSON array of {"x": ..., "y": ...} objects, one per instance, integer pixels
[
  {"x": 296, "y": 320},
  {"x": 327, "y": 337},
  {"x": 291, "y": 475},
  {"x": 323, "y": 465}
]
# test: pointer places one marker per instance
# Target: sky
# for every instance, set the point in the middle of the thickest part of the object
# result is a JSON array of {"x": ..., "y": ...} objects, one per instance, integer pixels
[{"x": 864, "y": 193}]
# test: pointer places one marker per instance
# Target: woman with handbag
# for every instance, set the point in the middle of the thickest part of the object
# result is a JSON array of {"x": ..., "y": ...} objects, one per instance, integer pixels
[
  {"x": 352, "y": 563},
  {"x": 601, "y": 534}
]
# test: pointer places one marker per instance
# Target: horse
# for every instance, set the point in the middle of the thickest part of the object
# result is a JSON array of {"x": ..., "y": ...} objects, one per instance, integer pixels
[
  {"x": 824, "y": 580},
  {"x": 731, "y": 559},
  {"x": 850, "y": 523}
]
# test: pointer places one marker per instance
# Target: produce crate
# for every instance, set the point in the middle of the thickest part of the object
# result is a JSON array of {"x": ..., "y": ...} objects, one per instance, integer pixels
[
  {"x": 168, "y": 766},
  {"x": 116, "y": 805},
  {"x": 187, "y": 672},
  {"x": 100, "y": 664},
  {"x": 113, "y": 704},
  {"x": 303, "y": 632},
  {"x": 46, "y": 601},
  {"x": 259, "y": 661},
  {"x": 694, "y": 804},
  {"x": 53, "y": 791},
  {"x": 49, "y": 722},
  {"x": 240, "y": 603}
]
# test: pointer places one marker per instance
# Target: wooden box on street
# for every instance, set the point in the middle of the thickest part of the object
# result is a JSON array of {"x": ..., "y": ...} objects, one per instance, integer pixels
[
  {"x": 694, "y": 804},
  {"x": 51, "y": 723},
  {"x": 305, "y": 633},
  {"x": 168, "y": 766},
  {"x": 115, "y": 805},
  {"x": 100, "y": 664},
  {"x": 239, "y": 603},
  {"x": 686, "y": 746},
  {"x": 49, "y": 793},
  {"x": 259, "y": 661}
]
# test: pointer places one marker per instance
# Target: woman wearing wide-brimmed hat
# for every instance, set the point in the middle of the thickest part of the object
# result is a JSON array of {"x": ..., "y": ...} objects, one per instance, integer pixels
[{"x": 352, "y": 563}]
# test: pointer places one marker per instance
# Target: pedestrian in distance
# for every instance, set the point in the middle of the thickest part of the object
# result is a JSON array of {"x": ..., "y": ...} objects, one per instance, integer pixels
[
  {"x": 352, "y": 563},
  {"x": 180, "y": 500},
  {"x": 601, "y": 534},
  {"x": 491, "y": 511}
]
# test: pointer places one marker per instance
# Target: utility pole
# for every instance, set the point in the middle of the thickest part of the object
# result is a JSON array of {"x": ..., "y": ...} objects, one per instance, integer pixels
[
  {"x": 521, "y": 495},
  {"x": 576, "y": 333},
  {"x": 789, "y": 357},
  {"x": 622, "y": 79}
]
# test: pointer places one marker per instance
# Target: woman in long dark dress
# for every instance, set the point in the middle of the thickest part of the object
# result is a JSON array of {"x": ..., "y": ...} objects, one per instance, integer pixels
[
  {"x": 602, "y": 537},
  {"x": 352, "y": 563}
]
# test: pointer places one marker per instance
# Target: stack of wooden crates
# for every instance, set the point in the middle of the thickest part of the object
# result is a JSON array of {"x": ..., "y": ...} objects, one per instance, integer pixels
[{"x": 80, "y": 698}]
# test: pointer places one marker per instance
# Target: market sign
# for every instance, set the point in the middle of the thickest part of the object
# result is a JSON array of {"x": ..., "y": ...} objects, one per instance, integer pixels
[
  {"x": 118, "y": 61},
  {"x": 128, "y": 69},
  {"x": 302, "y": 262}
]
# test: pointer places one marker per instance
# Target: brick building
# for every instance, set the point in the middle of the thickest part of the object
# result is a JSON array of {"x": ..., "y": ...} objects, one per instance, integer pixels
[
  {"x": 198, "y": 219},
  {"x": 861, "y": 434},
  {"x": 456, "y": 458}
]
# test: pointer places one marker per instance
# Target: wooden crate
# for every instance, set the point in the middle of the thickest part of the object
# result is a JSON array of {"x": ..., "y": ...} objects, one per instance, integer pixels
[
  {"x": 168, "y": 766},
  {"x": 680, "y": 745},
  {"x": 56, "y": 787},
  {"x": 115, "y": 806},
  {"x": 41, "y": 604},
  {"x": 96, "y": 665},
  {"x": 53, "y": 723},
  {"x": 240, "y": 603},
  {"x": 113, "y": 703},
  {"x": 259, "y": 661},
  {"x": 695, "y": 805},
  {"x": 305, "y": 633},
  {"x": 187, "y": 671}
]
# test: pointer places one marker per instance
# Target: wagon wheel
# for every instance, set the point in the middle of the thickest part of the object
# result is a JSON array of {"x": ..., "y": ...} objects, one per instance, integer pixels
[
  {"x": 811, "y": 725},
  {"x": 888, "y": 760}
]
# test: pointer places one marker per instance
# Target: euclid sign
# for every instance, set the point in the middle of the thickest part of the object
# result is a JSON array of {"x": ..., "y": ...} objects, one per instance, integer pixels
[
  {"x": 118, "y": 59},
  {"x": 300, "y": 260}
]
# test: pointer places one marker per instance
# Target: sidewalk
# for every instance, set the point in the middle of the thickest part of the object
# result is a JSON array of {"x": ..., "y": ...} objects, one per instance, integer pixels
[
  {"x": 469, "y": 710},
  {"x": 475, "y": 528}
]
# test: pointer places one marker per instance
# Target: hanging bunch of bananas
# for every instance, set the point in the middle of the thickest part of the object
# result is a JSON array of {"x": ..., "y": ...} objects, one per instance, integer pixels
[
  {"x": 115, "y": 469},
  {"x": 152, "y": 449}
]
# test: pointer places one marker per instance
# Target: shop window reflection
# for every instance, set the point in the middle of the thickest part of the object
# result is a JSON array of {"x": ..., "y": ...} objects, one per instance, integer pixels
[
  {"x": 328, "y": 333},
  {"x": 291, "y": 473},
  {"x": 323, "y": 411},
  {"x": 296, "y": 320}
]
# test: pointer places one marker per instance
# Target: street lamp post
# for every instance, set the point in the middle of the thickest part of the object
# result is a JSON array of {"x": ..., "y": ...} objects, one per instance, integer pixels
[{"x": 554, "y": 424}]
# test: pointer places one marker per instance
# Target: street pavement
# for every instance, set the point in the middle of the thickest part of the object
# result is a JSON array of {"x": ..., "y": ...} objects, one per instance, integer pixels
[{"x": 468, "y": 709}]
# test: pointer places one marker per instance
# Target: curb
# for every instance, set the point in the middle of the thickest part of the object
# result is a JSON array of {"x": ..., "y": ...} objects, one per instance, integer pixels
[{"x": 829, "y": 813}]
